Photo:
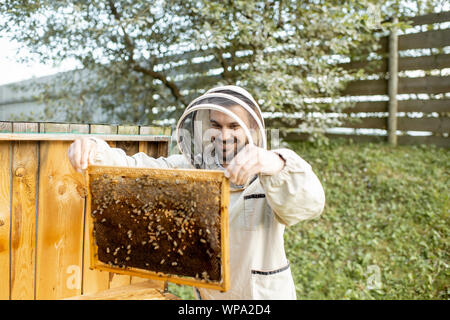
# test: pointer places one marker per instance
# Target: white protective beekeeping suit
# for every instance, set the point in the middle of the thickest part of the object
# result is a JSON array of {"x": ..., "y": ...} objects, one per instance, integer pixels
[{"x": 258, "y": 211}]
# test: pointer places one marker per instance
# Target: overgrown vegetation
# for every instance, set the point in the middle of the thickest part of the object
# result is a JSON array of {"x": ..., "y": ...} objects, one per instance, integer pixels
[{"x": 384, "y": 233}]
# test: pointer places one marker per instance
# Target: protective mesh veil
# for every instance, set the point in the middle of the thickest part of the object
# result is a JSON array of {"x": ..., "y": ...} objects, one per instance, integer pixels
[{"x": 217, "y": 125}]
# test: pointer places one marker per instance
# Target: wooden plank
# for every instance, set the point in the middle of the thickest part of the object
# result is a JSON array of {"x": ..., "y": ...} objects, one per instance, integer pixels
[
  {"x": 151, "y": 130},
  {"x": 369, "y": 66},
  {"x": 163, "y": 149},
  {"x": 366, "y": 87},
  {"x": 60, "y": 224},
  {"x": 296, "y": 136},
  {"x": 430, "y": 84},
  {"x": 430, "y": 18},
  {"x": 104, "y": 129},
  {"x": 283, "y": 122},
  {"x": 368, "y": 106},
  {"x": 366, "y": 122},
  {"x": 48, "y": 127},
  {"x": 358, "y": 137},
  {"x": 23, "y": 220},
  {"x": 25, "y": 127},
  {"x": 72, "y": 137},
  {"x": 155, "y": 149},
  {"x": 78, "y": 128},
  {"x": 5, "y": 207},
  {"x": 438, "y": 61},
  {"x": 128, "y": 129},
  {"x": 438, "y": 125},
  {"x": 151, "y": 149},
  {"x": 424, "y": 40},
  {"x": 5, "y": 126},
  {"x": 130, "y": 147},
  {"x": 142, "y": 146},
  {"x": 144, "y": 290},
  {"x": 442, "y": 142},
  {"x": 420, "y": 40},
  {"x": 433, "y": 62},
  {"x": 426, "y": 106}
]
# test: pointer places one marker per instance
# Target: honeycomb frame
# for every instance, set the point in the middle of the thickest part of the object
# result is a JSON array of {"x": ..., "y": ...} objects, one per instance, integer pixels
[{"x": 171, "y": 176}]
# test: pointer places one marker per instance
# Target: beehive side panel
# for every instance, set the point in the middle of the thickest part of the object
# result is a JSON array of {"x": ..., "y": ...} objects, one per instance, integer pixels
[
  {"x": 154, "y": 149},
  {"x": 23, "y": 220},
  {"x": 151, "y": 148},
  {"x": 60, "y": 224},
  {"x": 163, "y": 149},
  {"x": 5, "y": 208},
  {"x": 130, "y": 147}
]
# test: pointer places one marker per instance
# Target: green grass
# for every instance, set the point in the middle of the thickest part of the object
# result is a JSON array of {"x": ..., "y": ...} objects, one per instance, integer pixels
[
  {"x": 386, "y": 218},
  {"x": 387, "y": 209}
]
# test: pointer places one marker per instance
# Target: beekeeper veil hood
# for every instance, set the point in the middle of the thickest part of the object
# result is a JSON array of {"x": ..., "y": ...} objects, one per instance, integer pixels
[{"x": 217, "y": 125}]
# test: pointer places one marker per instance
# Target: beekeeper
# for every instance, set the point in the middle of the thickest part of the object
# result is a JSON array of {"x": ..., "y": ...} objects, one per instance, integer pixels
[{"x": 224, "y": 129}]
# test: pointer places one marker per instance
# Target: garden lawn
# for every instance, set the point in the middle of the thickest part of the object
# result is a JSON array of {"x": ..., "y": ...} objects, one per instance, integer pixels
[{"x": 384, "y": 233}]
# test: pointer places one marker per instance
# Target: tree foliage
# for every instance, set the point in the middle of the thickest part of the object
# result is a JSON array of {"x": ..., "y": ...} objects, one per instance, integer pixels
[{"x": 285, "y": 52}]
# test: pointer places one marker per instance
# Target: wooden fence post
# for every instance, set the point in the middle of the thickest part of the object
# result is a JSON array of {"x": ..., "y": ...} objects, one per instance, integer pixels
[{"x": 393, "y": 84}]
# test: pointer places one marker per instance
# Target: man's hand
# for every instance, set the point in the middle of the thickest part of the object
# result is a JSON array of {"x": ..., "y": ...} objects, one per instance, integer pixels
[
  {"x": 81, "y": 153},
  {"x": 252, "y": 160}
]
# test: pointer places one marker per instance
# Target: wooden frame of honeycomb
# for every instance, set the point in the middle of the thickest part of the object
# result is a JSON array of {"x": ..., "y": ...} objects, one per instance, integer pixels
[{"x": 164, "y": 224}]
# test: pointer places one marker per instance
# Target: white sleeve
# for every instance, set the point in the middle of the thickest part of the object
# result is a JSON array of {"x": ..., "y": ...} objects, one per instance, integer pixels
[
  {"x": 105, "y": 155},
  {"x": 295, "y": 193}
]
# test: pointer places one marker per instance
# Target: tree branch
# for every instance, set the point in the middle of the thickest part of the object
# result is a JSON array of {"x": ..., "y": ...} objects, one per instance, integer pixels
[
  {"x": 169, "y": 84},
  {"x": 128, "y": 42}
]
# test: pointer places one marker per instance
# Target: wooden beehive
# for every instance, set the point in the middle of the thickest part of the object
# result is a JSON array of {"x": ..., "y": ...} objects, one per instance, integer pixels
[{"x": 166, "y": 224}]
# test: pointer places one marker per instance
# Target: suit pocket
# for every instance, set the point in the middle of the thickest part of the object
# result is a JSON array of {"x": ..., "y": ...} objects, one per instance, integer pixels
[
  {"x": 273, "y": 285},
  {"x": 254, "y": 211}
]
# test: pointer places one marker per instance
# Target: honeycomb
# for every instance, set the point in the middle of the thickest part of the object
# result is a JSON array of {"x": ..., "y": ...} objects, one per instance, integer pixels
[{"x": 167, "y": 225}]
